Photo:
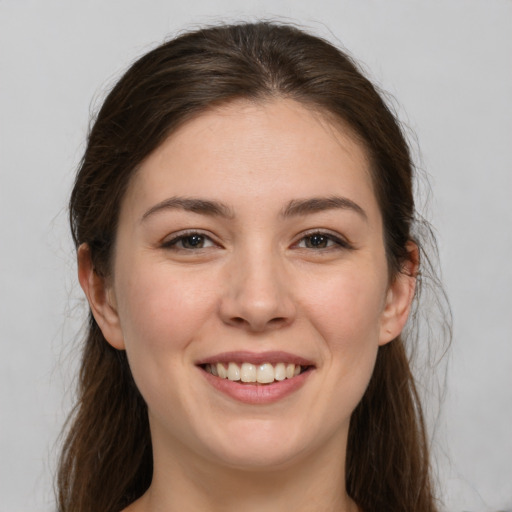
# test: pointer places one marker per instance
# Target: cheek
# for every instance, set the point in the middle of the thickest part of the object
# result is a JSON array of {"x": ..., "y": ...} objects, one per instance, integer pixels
[
  {"x": 161, "y": 313},
  {"x": 346, "y": 308},
  {"x": 345, "y": 312}
]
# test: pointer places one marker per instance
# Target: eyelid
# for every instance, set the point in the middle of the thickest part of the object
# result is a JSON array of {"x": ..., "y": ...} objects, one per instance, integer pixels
[
  {"x": 170, "y": 241},
  {"x": 340, "y": 241}
]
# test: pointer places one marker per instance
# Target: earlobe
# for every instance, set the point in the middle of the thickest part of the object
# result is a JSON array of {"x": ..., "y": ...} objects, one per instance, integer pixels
[
  {"x": 100, "y": 297},
  {"x": 399, "y": 297}
]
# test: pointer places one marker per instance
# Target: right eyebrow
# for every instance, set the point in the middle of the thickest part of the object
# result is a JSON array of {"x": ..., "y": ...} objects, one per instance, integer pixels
[{"x": 196, "y": 205}]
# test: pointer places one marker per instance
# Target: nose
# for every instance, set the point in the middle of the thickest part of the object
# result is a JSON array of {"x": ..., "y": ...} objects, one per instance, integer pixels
[{"x": 257, "y": 296}]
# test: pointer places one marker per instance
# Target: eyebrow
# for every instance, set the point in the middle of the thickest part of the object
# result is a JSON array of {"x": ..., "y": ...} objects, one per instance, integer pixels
[
  {"x": 295, "y": 208},
  {"x": 201, "y": 206},
  {"x": 298, "y": 207}
]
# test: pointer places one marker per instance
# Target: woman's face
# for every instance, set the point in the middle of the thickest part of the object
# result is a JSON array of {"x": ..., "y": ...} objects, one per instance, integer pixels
[{"x": 251, "y": 239}]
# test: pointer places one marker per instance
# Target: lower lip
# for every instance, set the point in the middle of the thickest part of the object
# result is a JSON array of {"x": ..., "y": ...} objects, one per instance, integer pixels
[{"x": 258, "y": 394}]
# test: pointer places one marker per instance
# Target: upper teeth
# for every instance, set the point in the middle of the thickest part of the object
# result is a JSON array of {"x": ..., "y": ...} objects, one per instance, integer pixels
[{"x": 247, "y": 372}]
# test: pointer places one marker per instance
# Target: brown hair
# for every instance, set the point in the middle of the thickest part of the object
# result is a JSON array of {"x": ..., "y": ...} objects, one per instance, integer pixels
[{"x": 106, "y": 462}]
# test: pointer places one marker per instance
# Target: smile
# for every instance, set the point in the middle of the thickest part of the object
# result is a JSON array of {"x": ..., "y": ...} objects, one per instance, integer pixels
[
  {"x": 265, "y": 373},
  {"x": 256, "y": 378}
]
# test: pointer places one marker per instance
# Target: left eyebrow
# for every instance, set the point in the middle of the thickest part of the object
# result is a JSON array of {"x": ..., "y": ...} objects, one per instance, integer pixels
[{"x": 298, "y": 207}]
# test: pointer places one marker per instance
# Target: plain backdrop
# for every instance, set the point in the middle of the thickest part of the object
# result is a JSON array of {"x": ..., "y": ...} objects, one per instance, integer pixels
[{"x": 448, "y": 63}]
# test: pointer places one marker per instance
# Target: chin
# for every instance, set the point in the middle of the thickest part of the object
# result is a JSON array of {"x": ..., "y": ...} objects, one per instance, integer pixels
[
  {"x": 264, "y": 458},
  {"x": 263, "y": 445}
]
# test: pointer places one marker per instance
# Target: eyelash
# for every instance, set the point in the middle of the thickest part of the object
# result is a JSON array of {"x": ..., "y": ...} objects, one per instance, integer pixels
[
  {"x": 336, "y": 242},
  {"x": 172, "y": 244}
]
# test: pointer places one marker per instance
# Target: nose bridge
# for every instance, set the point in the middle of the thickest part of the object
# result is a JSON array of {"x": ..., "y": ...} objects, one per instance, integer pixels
[{"x": 257, "y": 294}]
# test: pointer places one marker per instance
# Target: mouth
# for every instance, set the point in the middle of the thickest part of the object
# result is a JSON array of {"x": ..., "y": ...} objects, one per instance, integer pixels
[
  {"x": 256, "y": 374},
  {"x": 237, "y": 373}
]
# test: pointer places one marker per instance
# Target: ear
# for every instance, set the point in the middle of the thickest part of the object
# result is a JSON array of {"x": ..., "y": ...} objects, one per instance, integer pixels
[
  {"x": 399, "y": 297},
  {"x": 101, "y": 298}
]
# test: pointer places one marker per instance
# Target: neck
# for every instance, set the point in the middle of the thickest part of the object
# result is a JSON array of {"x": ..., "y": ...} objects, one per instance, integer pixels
[{"x": 184, "y": 483}]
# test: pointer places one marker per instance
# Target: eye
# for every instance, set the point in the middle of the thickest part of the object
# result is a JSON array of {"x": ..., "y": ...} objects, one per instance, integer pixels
[
  {"x": 189, "y": 241},
  {"x": 320, "y": 240}
]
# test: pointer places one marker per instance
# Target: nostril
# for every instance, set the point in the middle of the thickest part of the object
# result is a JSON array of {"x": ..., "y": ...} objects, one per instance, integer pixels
[
  {"x": 258, "y": 325},
  {"x": 277, "y": 320}
]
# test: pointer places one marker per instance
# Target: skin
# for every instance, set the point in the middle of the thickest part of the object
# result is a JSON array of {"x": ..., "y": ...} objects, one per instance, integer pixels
[{"x": 257, "y": 284}]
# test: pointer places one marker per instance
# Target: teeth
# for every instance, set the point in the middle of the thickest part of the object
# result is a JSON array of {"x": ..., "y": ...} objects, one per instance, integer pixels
[
  {"x": 221, "y": 370},
  {"x": 247, "y": 372},
  {"x": 280, "y": 371},
  {"x": 265, "y": 373},
  {"x": 233, "y": 371}
]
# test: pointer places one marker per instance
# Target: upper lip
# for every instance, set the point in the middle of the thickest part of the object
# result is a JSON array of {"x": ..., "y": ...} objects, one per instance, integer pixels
[{"x": 255, "y": 358}]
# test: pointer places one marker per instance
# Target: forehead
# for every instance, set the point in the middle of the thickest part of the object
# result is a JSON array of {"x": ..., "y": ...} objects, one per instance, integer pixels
[{"x": 247, "y": 151}]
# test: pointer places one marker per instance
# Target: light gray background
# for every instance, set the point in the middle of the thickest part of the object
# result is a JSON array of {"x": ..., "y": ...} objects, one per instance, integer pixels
[{"x": 449, "y": 64}]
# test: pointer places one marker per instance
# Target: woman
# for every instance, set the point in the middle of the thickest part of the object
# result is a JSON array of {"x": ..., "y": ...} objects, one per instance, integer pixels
[{"x": 243, "y": 217}]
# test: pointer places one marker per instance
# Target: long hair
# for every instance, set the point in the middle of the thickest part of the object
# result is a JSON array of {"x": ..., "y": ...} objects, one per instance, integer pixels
[{"x": 106, "y": 462}]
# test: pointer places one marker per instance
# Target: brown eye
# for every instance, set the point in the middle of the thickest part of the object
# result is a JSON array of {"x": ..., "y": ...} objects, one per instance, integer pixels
[
  {"x": 323, "y": 240},
  {"x": 193, "y": 242},
  {"x": 190, "y": 241},
  {"x": 320, "y": 241},
  {"x": 316, "y": 241}
]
